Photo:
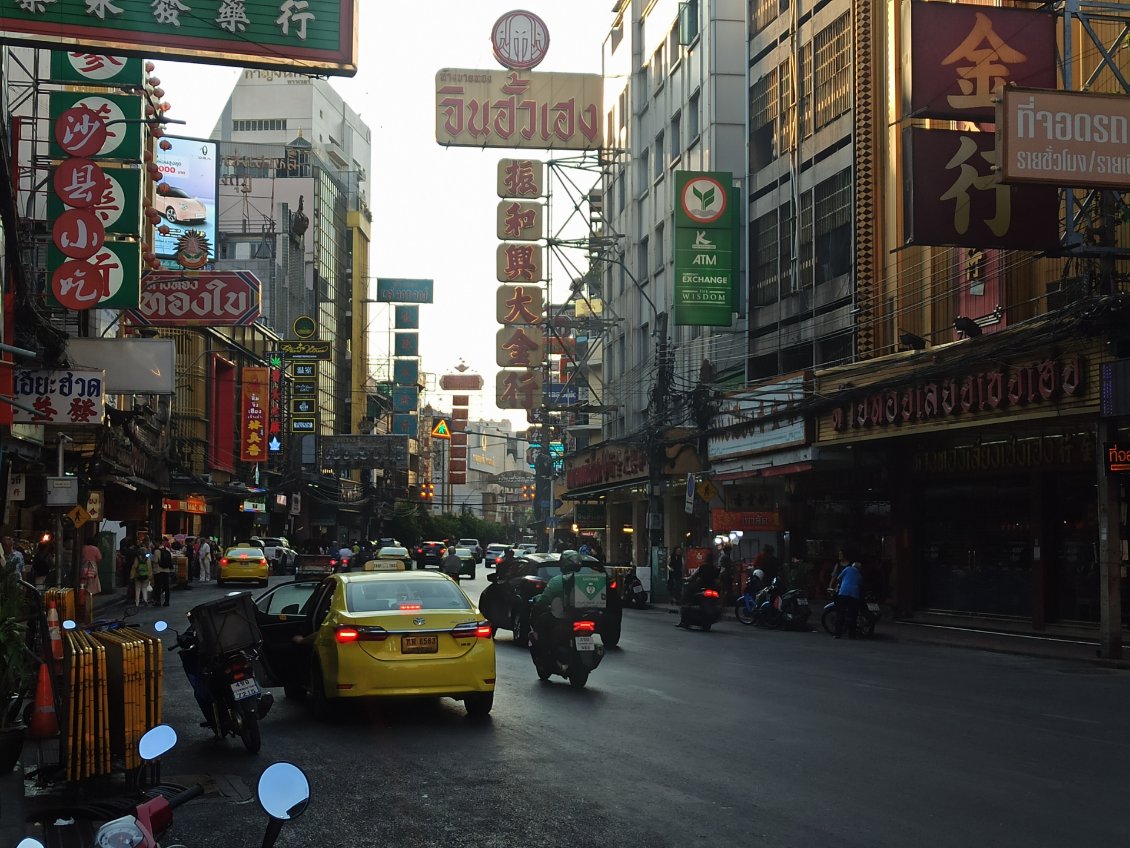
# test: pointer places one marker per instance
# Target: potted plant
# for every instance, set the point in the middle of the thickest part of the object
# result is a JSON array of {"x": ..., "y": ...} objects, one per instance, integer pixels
[{"x": 15, "y": 666}]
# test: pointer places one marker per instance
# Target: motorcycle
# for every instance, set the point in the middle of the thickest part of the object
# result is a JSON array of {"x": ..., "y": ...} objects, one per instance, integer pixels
[
  {"x": 283, "y": 793},
  {"x": 225, "y": 688},
  {"x": 868, "y": 617},
  {"x": 570, "y": 647},
  {"x": 635, "y": 595},
  {"x": 703, "y": 609}
]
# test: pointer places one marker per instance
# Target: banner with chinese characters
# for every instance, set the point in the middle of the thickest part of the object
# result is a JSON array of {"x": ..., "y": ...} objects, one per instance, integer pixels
[
  {"x": 520, "y": 304},
  {"x": 290, "y": 35},
  {"x": 113, "y": 195},
  {"x": 518, "y": 389},
  {"x": 520, "y": 178},
  {"x": 956, "y": 55},
  {"x": 406, "y": 317},
  {"x": 253, "y": 406},
  {"x": 520, "y": 347},
  {"x": 103, "y": 126},
  {"x": 706, "y": 258},
  {"x": 519, "y": 263},
  {"x": 72, "y": 396},
  {"x": 520, "y": 220},
  {"x": 109, "y": 278},
  {"x": 96, "y": 69},
  {"x": 952, "y": 196},
  {"x": 516, "y": 109}
]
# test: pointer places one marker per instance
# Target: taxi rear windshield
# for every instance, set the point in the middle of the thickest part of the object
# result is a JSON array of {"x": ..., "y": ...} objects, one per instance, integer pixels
[{"x": 398, "y": 595}]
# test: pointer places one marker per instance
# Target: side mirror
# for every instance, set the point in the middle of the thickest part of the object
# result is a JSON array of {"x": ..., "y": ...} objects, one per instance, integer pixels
[
  {"x": 283, "y": 793},
  {"x": 160, "y": 626},
  {"x": 160, "y": 740},
  {"x": 29, "y": 843}
]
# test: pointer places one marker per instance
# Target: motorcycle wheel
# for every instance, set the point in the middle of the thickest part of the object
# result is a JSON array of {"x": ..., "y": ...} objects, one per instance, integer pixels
[
  {"x": 521, "y": 637},
  {"x": 578, "y": 677},
  {"x": 611, "y": 635},
  {"x": 828, "y": 621},
  {"x": 249, "y": 729},
  {"x": 743, "y": 613},
  {"x": 706, "y": 625},
  {"x": 866, "y": 624}
]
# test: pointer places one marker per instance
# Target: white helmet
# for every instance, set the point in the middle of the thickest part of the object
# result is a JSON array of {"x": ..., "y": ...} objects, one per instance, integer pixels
[{"x": 759, "y": 574}]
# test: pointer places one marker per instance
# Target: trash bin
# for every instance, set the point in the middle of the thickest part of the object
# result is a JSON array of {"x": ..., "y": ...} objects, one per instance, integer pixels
[{"x": 181, "y": 563}]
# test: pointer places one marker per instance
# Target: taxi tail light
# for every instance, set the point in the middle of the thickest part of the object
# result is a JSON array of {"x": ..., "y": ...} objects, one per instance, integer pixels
[
  {"x": 473, "y": 629},
  {"x": 223, "y": 561},
  {"x": 584, "y": 628},
  {"x": 410, "y": 606},
  {"x": 710, "y": 593},
  {"x": 346, "y": 633}
]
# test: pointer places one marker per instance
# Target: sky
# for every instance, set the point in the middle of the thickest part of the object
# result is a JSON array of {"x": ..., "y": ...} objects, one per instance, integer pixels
[{"x": 433, "y": 207}]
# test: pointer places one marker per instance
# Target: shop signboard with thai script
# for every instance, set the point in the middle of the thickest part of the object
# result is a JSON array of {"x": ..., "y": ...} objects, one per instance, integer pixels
[
  {"x": 726, "y": 521},
  {"x": 604, "y": 466},
  {"x": 96, "y": 69},
  {"x": 461, "y": 382},
  {"x": 293, "y": 35},
  {"x": 68, "y": 396},
  {"x": 1064, "y": 138},
  {"x": 757, "y": 420},
  {"x": 254, "y": 400},
  {"x": 519, "y": 109},
  {"x": 1116, "y": 458},
  {"x": 705, "y": 254},
  {"x": 394, "y": 290},
  {"x": 953, "y": 196},
  {"x": 955, "y": 56},
  {"x": 366, "y": 451},
  {"x": 198, "y": 299}
]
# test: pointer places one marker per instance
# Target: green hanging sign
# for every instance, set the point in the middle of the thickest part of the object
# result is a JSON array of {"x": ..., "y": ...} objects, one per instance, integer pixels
[
  {"x": 96, "y": 69},
  {"x": 706, "y": 255}
]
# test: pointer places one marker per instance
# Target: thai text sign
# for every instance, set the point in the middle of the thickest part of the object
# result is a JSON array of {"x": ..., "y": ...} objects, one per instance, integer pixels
[
  {"x": 253, "y": 414},
  {"x": 519, "y": 109},
  {"x": 1066, "y": 138},
  {"x": 310, "y": 35},
  {"x": 725, "y": 521},
  {"x": 705, "y": 257},
  {"x": 953, "y": 196},
  {"x": 305, "y": 348},
  {"x": 72, "y": 396},
  {"x": 605, "y": 466},
  {"x": 390, "y": 290},
  {"x": 366, "y": 451},
  {"x": 960, "y": 54},
  {"x": 751, "y": 421},
  {"x": 198, "y": 299}
]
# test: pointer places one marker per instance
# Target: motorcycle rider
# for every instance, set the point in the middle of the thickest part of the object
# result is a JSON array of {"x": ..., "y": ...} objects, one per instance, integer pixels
[
  {"x": 849, "y": 594},
  {"x": 549, "y": 609},
  {"x": 705, "y": 577}
]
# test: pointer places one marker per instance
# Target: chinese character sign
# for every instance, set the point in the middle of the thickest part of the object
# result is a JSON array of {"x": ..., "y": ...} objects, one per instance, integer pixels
[
  {"x": 518, "y": 389},
  {"x": 254, "y": 405},
  {"x": 520, "y": 178},
  {"x": 519, "y": 262},
  {"x": 103, "y": 125},
  {"x": 112, "y": 194},
  {"x": 73, "y": 396},
  {"x": 520, "y": 347},
  {"x": 953, "y": 196},
  {"x": 109, "y": 278},
  {"x": 95, "y": 68},
  {"x": 520, "y": 304},
  {"x": 960, "y": 54},
  {"x": 520, "y": 221},
  {"x": 519, "y": 109}
]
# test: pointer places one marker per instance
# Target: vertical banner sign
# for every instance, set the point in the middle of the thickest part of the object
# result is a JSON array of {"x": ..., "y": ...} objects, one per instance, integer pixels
[
  {"x": 705, "y": 257},
  {"x": 406, "y": 317},
  {"x": 406, "y": 372},
  {"x": 275, "y": 410},
  {"x": 253, "y": 414}
]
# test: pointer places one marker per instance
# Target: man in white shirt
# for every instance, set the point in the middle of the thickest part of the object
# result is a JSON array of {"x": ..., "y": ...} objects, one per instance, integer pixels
[{"x": 205, "y": 555}]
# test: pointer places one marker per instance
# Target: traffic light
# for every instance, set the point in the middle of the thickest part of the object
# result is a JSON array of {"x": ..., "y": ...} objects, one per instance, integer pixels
[{"x": 427, "y": 491}]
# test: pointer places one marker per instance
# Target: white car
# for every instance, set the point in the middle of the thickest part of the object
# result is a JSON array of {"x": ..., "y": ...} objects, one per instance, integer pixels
[
  {"x": 178, "y": 206},
  {"x": 473, "y": 546},
  {"x": 494, "y": 551},
  {"x": 280, "y": 554}
]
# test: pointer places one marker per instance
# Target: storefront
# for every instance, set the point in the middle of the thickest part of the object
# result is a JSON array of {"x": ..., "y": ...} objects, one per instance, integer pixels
[{"x": 183, "y": 516}]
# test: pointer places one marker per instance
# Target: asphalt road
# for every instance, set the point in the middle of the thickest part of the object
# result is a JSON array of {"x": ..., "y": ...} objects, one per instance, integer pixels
[{"x": 734, "y": 737}]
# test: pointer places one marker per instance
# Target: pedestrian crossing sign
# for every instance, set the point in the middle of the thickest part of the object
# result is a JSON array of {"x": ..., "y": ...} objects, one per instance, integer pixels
[
  {"x": 78, "y": 516},
  {"x": 441, "y": 430}
]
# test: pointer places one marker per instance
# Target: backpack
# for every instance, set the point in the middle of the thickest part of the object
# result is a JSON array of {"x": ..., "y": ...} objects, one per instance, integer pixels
[{"x": 142, "y": 568}]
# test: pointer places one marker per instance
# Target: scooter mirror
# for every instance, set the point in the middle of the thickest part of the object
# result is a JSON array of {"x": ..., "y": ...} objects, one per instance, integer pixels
[
  {"x": 283, "y": 791},
  {"x": 234, "y": 594},
  {"x": 156, "y": 742},
  {"x": 69, "y": 624},
  {"x": 29, "y": 843},
  {"x": 160, "y": 626}
]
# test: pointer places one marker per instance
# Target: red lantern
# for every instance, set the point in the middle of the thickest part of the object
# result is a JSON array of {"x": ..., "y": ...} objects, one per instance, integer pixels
[{"x": 166, "y": 144}]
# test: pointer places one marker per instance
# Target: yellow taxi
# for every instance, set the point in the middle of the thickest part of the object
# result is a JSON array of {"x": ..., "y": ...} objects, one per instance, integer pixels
[
  {"x": 383, "y": 634},
  {"x": 243, "y": 562},
  {"x": 389, "y": 558}
]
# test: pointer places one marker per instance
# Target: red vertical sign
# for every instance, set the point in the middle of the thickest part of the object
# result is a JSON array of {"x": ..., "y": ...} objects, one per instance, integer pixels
[{"x": 253, "y": 414}]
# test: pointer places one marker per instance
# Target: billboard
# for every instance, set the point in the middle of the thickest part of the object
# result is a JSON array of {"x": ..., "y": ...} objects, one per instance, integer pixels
[
  {"x": 495, "y": 108},
  {"x": 254, "y": 403},
  {"x": 291, "y": 35},
  {"x": 953, "y": 196},
  {"x": 186, "y": 196},
  {"x": 392, "y": 290},
  {"x": 366, "y": 451},
  {"x": 72, "y": 396},
  {"x": 198, "y": 299},
  {"x": 956, "y": 55},
  {"x": 1064, "y": 138},
  {"x": 706, "y": 256}
]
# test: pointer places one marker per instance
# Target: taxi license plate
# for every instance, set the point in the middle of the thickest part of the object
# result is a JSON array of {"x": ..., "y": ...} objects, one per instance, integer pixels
[
  {"x": 419, "y": 644},
  {"x": 245, "y": 689},
  {"x": 584, "y": 643}
]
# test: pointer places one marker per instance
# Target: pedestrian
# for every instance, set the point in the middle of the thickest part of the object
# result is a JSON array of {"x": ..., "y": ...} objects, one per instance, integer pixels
[
  {"x": 839, "y": 565},
  {"x": 849, "y": 593},
  {"x": 204, "y": 556},
  {"x": 139, "y": 574},
  {"x": 675, "y": 574},
  {"x": 91, "y": 559},
  {"x": 452, "y": 565},
  {"x": 767, "y": 561},
  {"x": 162, "y": 574},
  {"x": 725, "y": 578},
  {"x": 41, "y": 564},
  {"x": 14, "y": 557}
]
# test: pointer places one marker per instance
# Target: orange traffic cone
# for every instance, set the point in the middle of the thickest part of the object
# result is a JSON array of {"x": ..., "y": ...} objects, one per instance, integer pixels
[
  {"x": 44, "y": 721},
  {"x": 53, "y": 629}
]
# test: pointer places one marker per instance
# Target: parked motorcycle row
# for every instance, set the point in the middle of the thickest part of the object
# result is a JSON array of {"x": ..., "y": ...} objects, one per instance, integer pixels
[
  {"x": 140, "y": 820},
  {"x": 770, "y": 606}
]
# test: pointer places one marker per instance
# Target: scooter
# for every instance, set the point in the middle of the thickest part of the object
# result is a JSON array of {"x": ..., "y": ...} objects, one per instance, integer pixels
[
  {"x": 283, "y": 792},
  {"x": 571, "y": 648},
  {"x": 868, "y": 617},
  {"x": 703, "y": 609},
  {"x": 635, "y": 595},
  {"x": 225, "y": 688}
]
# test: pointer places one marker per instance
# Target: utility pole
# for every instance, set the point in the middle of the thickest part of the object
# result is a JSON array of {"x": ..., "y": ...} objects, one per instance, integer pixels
[{"x": 657, "y": 454}]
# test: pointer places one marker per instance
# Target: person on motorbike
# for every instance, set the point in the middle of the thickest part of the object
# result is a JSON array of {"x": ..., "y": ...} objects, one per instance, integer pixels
[
  {"x": 549, "y": 606},
  {"x": 849, "y": 595},
  {"x": 705, "y": 577}
]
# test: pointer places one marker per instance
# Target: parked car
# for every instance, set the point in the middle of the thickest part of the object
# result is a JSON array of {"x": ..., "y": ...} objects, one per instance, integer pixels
[
  {"x": 473, "y": 546},
  {"x": 495, "y": 551},
  {"x": 526, "y": 548},
  {"x": 178, "y": 206},
  {"x": 377, "y": 634},
  {"x": 429, "y": 553},
  {"x": 280, "y": 555},
  {"x": 242, "y": 562}
]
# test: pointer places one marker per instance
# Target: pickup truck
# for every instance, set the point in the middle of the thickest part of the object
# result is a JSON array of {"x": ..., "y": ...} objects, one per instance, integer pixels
[
  {"x": 279, "y": 554},
  {"x": 318, "y": 565}
]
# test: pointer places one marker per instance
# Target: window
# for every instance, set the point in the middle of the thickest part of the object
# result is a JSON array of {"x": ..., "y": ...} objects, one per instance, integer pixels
[
  {"x": 658, "y": 67},
  {"x": 660, "y": 257},
  {"x": 660, "y": 157},
  {"x": 643, "y": 267},
  {"x": 763, "y": 249},
  {"x": 688, "y": 22},
  {"x": 617, "y": 34},
  {"x": 644, "y": 174},
  {"x": 676, "y": 136},
  {"x": 832, "y": 223},
  {"x": 785, "y": 247},
  {"x": 786, "y": 108},
  {"x": 674, "y": 53},
  {"x": 258, "y": 124},
  {"x": 832, "y": 72},
  {"x": 621, "y": 190},
  {"x": 694, "y": 119},
  {"x": 804, "y": 92},
  {"x": 762, "y": 13},
  {"x": 763, "y": 104},
  {"x": 644, "y": 352},
  {"x": 806, "y": 260}
]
